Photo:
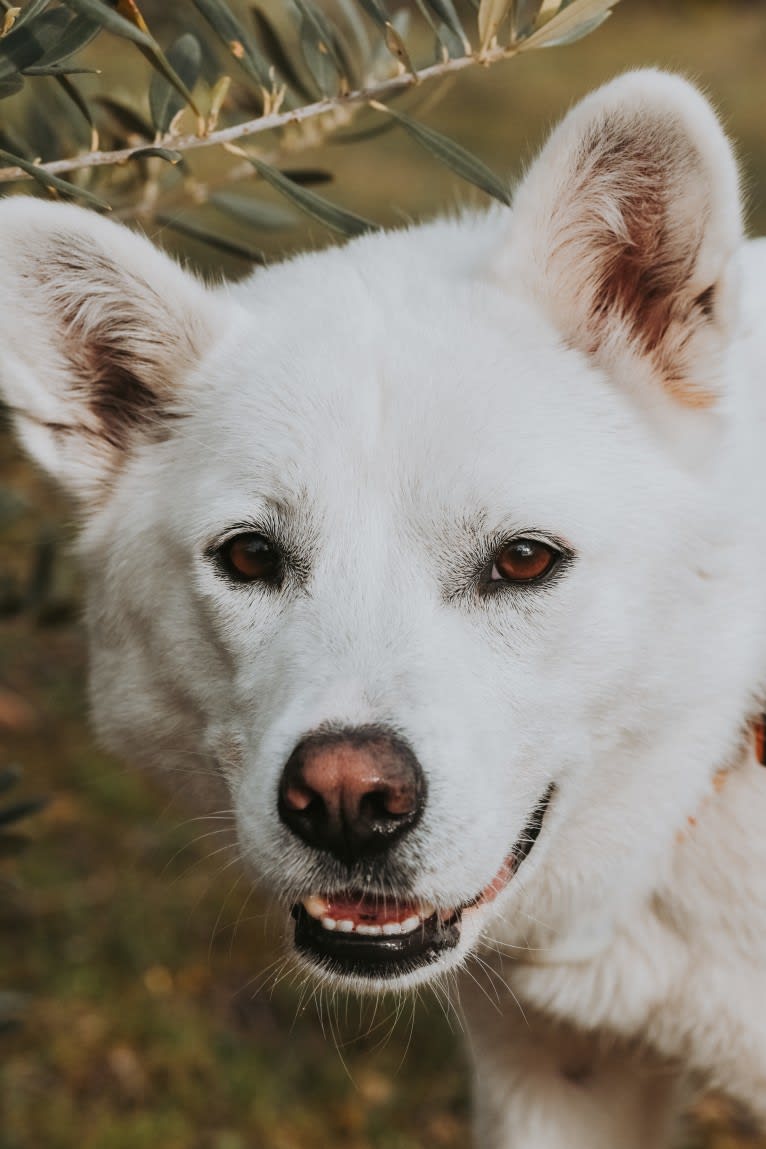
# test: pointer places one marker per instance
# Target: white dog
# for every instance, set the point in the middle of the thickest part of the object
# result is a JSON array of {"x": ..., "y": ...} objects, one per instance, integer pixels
[{"x": 445, "y": 550}]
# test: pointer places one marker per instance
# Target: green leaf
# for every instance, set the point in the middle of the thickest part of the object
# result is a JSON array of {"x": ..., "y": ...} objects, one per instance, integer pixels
[
  {"x": 444, "y": 10},
  {"x": 107, "y": 18},
  {"x": 455, "y": 157},
  {"x": 11, "y": 143},
  {"x": 397, "y": 47},
  {"x": 33, "y": 9},
  {"x": 51, "y": 182},
  {"x": 445, "y": 36},
  {"x": 524, "y": 18},
  {"x": 319, "y": 43},
  {"x": 28, "y": 43},
  {"x": 278, "y": 55},
  {"x": 168, "y": 154},
  {"x": 491, "y": 15},
  {"x": 220, "y": 242},
  {"x": 75, "y": 36},
  {"x": 58, "y": 70},
  {"x": 10, "y": 85},
  {"x": 577, "y": 33},
  {"x": 254, "y": 212},
  {"x": 577, "y": 19},
  {"x": 75, "y": 95},
  {"x": 127, "y": 118},
  {"x": 307, "y": 176},
  {"x": 113, "y": 22},
  {"x": 354, "y": 25},
  {"x": 228, "y": 28},
  {"x": 165, "y": 102},
  {"x": 321, "y": 68},
  {"x": 327, "y": 213},
  {"x": 376, "y": 10}
]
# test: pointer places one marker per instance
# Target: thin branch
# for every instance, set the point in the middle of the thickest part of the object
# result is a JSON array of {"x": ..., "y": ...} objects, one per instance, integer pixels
[{"x": 276, "y": 119}]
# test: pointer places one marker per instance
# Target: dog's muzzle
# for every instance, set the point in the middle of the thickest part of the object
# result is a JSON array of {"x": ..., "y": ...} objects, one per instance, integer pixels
[{"x": 353, "y": 794}]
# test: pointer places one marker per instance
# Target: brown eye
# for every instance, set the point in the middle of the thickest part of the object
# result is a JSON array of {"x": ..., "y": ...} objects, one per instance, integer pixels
[
  {"x": 524, "y": 560},
  {"x": 251, "y": 558}
]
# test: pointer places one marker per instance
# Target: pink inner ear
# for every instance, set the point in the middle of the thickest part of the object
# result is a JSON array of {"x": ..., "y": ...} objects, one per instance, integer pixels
[
  {"x": 114, "y": 357},
  {"x": 631, "y": 227}
]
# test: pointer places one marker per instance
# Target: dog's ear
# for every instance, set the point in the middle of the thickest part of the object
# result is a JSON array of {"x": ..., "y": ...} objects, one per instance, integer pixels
[
  {"x": 624, "y": 227},
  {"x": 98, "y": 330}
]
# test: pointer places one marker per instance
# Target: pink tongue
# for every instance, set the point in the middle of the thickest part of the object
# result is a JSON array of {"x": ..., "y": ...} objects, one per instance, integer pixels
[{"x": 372, "y": 911}]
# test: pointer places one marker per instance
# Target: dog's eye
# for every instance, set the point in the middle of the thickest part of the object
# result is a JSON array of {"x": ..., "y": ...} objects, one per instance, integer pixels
[
  {"x": 524, "y": 561},
  {"x": 251, "y": 557}
]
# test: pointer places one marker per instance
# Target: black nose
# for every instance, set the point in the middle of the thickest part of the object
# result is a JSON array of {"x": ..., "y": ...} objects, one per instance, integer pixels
[{"x": 352, "y": 793}]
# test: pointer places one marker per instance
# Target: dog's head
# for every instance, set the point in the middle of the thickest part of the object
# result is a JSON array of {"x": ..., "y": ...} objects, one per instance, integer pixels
[{"x": 419, "y": 545}]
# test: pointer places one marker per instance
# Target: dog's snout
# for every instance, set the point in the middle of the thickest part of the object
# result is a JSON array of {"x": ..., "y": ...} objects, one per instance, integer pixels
[{"x": 352, "y": 793}]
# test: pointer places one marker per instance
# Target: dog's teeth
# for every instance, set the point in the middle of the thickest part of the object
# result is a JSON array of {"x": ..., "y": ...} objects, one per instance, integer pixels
[
  {"x": 392, "y": 928},
  {"x": 329, "y": 923},
  {"x": 426, "y": 910},
  {"x": 369, "y": 931},
  {"x": 345, "y": 927},
  {"x": 315, "y": 907},
  {"x": 409, "y": 924}
]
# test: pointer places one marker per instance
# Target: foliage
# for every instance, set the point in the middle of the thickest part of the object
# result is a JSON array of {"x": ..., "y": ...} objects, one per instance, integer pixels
[{"x": 217, "y": 75}]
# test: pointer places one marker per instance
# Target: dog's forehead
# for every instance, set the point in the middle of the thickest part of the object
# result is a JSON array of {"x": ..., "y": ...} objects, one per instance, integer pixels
[{"x": 403, "y": 369}]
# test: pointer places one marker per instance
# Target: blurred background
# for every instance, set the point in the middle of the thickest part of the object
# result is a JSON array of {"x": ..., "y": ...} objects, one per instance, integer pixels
[{"x": 142, "y": 1003}]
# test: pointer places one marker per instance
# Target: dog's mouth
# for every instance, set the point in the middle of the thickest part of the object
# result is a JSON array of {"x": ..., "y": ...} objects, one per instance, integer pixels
[{"x": 369, "y": 936}]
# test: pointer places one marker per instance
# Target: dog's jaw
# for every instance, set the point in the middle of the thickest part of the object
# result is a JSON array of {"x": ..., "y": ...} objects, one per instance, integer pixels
[{"x": 375, "y": 943}]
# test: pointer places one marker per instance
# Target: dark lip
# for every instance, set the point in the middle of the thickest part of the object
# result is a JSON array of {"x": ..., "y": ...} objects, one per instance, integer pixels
[
  {"x": 379, "y": 957},
  {"x": 390, "y": 957}
]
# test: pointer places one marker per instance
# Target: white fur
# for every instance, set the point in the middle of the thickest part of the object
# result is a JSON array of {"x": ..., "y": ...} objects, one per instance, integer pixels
[{"x": 395, "y": 403}]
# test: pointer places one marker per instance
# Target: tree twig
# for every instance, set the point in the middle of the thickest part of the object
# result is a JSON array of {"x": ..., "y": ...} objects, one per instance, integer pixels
[{"x": 276, "y": 119}]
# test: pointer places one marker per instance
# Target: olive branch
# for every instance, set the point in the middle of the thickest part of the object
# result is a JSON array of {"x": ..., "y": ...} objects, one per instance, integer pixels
[{"x": 332, "y": 74}]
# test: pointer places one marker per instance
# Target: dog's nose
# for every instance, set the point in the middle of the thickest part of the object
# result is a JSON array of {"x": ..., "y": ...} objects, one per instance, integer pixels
[{"x": 352, "y": 793}]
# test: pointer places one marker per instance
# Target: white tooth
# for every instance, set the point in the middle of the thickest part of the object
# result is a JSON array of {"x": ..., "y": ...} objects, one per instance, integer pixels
[
  {"x": 329, "y": 923},
  {"x": 369, "y": 931},
  {"x": 410, "y": 924},
  {"x": 345, "y": 927},
  {"x": 315, "y": 907},
  {"x": 392, "y": 928}
]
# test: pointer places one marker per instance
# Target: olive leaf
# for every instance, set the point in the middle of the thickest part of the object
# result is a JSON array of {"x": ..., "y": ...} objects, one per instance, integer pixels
[
  {"x": 336, "y": 218},
  {"x": 524, "y": 17},
  {"x": 27, "y": 43},
  {"x": 75, "y": 95},
  {"x": 10, "y": 85},
  {"x": 571, "y": 22},
  {"x": 490, "y": 17},
  {"x": 321, "y": 49},
  {"x": 254, "y": 212},
  {"x": 376, "y": 10},
  {"x": 278, "y": 54},
  {"x": 136, "y": 32},
  {"x": 168, "y": 154},
  {"x": 33, "y": 9},
  {"x": 234, "y": 35},
  {"x": 445, "y": 12},
  {"x": 466, "y": 165},
  {"x": 165, "y": 102},
  {"x": 194, "y": 230},
  {"x": 52, "y": 182},
  {"x": 78, "y": 32}
]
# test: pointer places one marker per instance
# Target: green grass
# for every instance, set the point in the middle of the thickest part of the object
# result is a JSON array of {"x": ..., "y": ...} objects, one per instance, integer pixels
[{"x": 146, "y": 1025}]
